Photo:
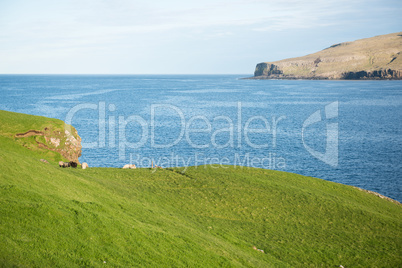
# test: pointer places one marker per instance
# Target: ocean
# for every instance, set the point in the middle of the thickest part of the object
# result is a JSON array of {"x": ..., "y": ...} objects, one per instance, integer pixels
[{"x": 348, "y": 132}]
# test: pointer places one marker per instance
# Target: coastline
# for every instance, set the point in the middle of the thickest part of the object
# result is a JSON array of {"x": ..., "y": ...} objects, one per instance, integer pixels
[{"x": 318, "y": 78}]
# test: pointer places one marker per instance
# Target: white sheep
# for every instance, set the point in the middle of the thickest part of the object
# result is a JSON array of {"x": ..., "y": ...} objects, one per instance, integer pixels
[
  {"x": 84, "y": 165},
  {"x": 128, "y": 166}
]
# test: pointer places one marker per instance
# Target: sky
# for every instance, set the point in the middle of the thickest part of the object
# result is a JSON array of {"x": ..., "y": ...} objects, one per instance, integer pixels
[{"x": 178, "y": 37}]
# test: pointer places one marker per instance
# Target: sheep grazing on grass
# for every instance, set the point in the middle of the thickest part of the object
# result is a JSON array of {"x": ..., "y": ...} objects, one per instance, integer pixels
[
  {"x": 68, "y": 164},
  {"x": 64, "y": 164},
  {"x": 84, "y": 165},
  {"x": 73, "y": 164},
  {"x": 128, "y": 166}
]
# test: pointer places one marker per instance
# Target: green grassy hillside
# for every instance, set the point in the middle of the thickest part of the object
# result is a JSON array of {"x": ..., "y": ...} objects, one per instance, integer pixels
[{"x": 205, "y": 217}]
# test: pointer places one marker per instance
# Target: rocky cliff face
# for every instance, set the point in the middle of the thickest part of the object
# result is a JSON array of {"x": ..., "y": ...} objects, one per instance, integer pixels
[
  {"x": 64, "y": 141},
  {"x": 377, "y": 74},
  {"x": 372, "y": 58},
  {"x": 265, "y": 69}
]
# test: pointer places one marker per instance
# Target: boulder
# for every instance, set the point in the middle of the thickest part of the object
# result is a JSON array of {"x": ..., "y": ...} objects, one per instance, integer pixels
[{"x": 84, "y": 165}]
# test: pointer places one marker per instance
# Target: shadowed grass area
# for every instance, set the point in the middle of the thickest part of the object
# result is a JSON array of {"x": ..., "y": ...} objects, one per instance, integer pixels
[{"x": 206, "y": 217}]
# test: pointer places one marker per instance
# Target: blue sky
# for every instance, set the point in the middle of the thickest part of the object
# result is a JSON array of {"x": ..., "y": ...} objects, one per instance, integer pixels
[{"x": 178, "y": 37}]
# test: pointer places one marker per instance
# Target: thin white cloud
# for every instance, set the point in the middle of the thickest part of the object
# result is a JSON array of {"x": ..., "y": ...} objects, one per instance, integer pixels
[{"x": 95, "y": 17}]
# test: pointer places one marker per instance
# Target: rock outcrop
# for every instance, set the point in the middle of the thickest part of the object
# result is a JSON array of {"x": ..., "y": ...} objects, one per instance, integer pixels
[
  {"x": 265, "y": 69},
  {"x": 377, "y": 74},
  {"x": 64, "y": 141},
  {"x": 371, "y": 58}
]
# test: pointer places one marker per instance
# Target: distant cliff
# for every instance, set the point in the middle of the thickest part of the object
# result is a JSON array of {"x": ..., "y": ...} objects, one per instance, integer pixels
[{"x": 371, "y": 58}]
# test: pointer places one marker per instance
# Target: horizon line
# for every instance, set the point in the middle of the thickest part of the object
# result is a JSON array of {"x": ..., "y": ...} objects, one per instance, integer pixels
[{"x": 123, "y": 74}]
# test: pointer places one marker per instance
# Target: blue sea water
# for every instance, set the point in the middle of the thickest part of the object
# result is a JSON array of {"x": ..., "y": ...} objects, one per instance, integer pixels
[{"x": 344, "y": 131}]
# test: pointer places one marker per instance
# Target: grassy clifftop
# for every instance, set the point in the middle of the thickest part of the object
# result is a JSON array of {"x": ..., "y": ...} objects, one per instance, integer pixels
[
  {"x": 206, "y": 217},
  {"x": 378, "y": 57}
]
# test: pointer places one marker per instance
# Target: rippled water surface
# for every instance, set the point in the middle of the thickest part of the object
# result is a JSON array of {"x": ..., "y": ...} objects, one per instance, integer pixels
[{"x": 343, "y": 131}]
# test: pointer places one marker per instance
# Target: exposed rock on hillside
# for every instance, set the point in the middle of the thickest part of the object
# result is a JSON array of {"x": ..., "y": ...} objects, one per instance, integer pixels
[
  {"x": 66, "y": 141},
  {"x": 371, "y": 58},
  {"x": 265, "y": 69}
]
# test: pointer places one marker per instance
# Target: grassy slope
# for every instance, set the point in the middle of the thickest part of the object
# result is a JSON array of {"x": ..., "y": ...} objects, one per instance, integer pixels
[
  {"x": 205, "y": 217},
  {"x": 365, "y": 54}
]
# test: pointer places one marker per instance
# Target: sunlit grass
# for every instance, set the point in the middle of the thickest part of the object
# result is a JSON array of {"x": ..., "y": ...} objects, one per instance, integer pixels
[{"x": 206, "y": 217}]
